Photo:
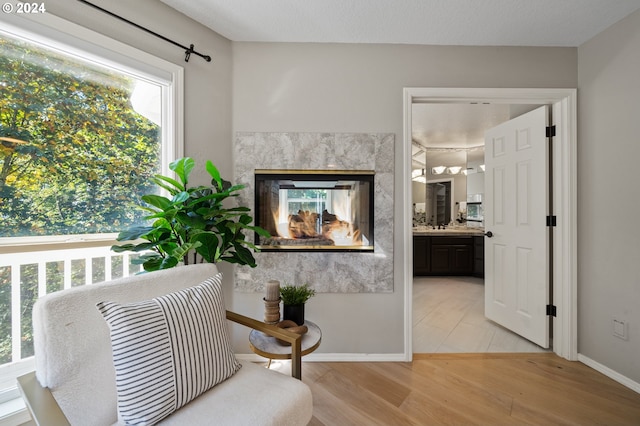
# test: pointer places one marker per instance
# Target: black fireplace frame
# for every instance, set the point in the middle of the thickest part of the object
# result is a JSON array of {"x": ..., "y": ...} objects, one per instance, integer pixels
[{"x": 319, "y": 176}]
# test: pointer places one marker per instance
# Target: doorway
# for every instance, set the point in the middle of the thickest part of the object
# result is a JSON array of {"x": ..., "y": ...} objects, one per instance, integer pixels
[
  {"x": 449, "y": 312},
  {"x": 563, "y": 102}
]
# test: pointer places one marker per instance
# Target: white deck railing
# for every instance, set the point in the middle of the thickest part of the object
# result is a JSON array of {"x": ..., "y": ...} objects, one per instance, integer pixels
[{"x": 75, "y": 266}]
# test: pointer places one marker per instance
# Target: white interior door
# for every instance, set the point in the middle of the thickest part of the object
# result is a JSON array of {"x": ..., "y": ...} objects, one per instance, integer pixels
[{"x": 515, "y": 207}]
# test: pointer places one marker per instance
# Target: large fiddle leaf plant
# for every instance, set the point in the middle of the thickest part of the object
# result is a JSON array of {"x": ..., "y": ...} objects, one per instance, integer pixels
[{"x": 193, "y": 221}]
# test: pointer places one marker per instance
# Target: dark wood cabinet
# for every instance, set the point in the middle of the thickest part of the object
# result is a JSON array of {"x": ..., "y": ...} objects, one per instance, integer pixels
[
  {"x": 452, "y": 255},
  {"x": 478, "y": 257},
  {"x": 444, "y": 255},
  {"x": 421, "y": 258}
]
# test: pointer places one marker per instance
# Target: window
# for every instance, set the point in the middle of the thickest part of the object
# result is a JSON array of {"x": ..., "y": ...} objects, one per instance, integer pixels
[
  {"x": 84, "y": 122},
  {"x": 313, "y": 200},
  {"x": 81, "y": 135},
  {"x": 79, "y": 139}
]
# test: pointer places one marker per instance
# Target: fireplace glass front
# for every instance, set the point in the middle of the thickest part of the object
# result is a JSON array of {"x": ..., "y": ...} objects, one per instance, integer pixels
[{"x": 319, "y": 210}]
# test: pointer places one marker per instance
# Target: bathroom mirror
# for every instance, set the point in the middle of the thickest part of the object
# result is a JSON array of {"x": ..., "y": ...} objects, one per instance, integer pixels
[
  {"x": 475, "y": 173},
  {"x": 427, "y": 182},
  {"x": 438, "y": 208},
  {"x": 445, "y": 165},
  {"x": 457, "y": 130}
]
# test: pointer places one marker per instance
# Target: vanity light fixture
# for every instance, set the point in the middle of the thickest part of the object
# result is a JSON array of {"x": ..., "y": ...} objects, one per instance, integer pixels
[
  {"x": 482, "y": 167},
  {"x": 438, "y": 170},
  {"x": 454, "y": 170},
  {"x": 417, "y": 175}
]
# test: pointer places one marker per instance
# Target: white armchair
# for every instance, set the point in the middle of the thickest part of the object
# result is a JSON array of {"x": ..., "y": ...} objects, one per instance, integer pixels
[{"x": 75, "y": 378}]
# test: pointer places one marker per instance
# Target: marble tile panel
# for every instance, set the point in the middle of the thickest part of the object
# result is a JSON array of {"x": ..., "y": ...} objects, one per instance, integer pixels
[
  {"x": 330, "y": 272},
  {"x": 506, "y": 341},
  {"x": 467, "y": 338},
  {"x": 385, "y": 157},
  {"x": 355, "y": 151},
  {"x": 428, "y": 339},
  {"x": 316, "y": 150}
]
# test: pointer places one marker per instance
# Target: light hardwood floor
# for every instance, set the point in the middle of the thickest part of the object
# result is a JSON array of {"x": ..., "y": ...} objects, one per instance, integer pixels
[
  {"x": 468, "y": 389},
  {"x": 448, "y": 317},
  {"x": 499, "y": 388}
]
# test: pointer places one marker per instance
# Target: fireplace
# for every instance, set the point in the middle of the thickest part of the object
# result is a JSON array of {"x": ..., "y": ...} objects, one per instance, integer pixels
[{"x": 314, "y": 210}]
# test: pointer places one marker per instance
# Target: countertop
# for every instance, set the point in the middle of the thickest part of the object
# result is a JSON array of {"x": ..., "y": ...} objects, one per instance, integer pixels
[{"x": 449, "y": 232}]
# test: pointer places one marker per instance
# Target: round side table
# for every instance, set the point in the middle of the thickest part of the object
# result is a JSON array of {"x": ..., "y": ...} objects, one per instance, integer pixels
[{"x": 267, "y": 346}]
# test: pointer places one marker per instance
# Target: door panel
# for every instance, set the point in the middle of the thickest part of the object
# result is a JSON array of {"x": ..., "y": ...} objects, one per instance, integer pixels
[{"x": 516, "y": 265}]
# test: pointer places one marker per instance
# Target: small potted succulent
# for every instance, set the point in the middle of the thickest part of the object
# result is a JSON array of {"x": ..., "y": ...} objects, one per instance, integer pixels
[{"x": 293, "y": 300}]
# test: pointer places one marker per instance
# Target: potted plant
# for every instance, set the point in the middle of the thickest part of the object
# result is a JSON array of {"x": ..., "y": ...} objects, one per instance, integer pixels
[
  {"x": 192, "y": 222},
  {"x": 293, "y": 300}
]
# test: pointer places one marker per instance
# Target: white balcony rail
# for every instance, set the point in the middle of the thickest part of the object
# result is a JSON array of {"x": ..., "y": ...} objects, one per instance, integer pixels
[{"x": 31, "y": 274}]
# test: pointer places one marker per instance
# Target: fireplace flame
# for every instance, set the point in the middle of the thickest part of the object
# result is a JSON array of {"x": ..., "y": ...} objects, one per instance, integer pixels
[
  {"x": 325, "y": 228},
  {"x": 303, "y": 224}
]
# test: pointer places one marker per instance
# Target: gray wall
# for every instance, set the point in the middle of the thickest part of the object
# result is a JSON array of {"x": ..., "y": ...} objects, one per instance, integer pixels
[
  {"x": 609, "y": 196},
  {"x": 357, "y": 88}
]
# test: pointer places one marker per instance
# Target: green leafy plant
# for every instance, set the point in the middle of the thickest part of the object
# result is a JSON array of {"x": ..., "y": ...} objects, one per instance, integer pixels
[
  {"x": 192, "y": 222},
  {"x": 296, "y": 295}
]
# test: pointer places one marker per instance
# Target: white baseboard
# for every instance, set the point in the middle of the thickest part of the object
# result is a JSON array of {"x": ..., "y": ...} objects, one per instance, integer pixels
[
  {"x": 634, "y": 386},
  {"x": 339, "y": 357},
  {"x": 400, "y": 357}
]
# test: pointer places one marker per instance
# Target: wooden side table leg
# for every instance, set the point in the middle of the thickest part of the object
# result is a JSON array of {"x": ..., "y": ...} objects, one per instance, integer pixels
[
  {"x": 296, "y": 359},
  {"x": 269, "y": 363}
]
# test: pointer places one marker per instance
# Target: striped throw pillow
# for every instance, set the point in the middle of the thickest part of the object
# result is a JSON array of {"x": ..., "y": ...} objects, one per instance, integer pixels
[{"x": 168, "y": 350}]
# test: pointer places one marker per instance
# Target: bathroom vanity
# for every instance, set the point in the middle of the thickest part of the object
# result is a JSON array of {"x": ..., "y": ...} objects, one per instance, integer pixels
[{"x": 451, "y": 251}]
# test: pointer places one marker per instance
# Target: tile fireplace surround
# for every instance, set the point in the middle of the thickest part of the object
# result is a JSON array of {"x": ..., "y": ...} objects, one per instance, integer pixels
[{"x": 326, "y": 272}]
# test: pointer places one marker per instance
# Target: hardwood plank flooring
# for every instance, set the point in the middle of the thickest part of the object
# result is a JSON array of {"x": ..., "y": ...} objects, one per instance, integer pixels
[{"x": 468, "y": 389}]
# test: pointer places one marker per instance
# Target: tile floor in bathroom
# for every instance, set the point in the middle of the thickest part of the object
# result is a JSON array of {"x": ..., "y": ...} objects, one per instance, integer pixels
[{"x": 448, "y": 317}]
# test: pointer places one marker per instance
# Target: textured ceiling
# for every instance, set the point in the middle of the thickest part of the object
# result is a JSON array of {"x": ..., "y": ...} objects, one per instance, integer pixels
[
  {"x": 455, "y": 125},
  {"x": 438, "y": 22}
]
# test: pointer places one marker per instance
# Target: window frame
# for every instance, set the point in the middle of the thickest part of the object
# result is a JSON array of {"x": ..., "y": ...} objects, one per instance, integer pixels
[{"x": 69, "y": 38}]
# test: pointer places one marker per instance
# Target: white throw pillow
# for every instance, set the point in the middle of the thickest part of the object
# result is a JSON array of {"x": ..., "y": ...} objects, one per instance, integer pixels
[{"x": 168, "y": 350}]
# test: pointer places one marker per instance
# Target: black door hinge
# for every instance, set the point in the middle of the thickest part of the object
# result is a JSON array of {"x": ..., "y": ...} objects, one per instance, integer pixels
[
  {"x": 551, "y": 221},
  {"x": 551, "y": 131},
  {"x": 551, "y": 310}
]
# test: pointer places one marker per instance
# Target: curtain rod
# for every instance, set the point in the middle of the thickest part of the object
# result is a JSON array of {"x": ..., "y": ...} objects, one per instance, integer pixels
[{"x": 188, "y": 50}]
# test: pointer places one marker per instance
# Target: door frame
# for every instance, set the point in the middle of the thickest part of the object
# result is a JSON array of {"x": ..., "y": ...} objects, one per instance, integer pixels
[{"x": 564, "y": 168}]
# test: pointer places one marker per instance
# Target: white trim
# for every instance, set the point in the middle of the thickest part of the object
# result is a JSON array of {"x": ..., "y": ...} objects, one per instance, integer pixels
[
  {"x": 406, "y": 222},
  {"x": 14, "y": 412},
  {"x": 334, "y": 357},
  {"x": 20, "y": 243},
  {"x": 565, "y": 202},
  {"x": 12, "y": 406},
  {"x": 612, "y": 374},
  {"x": 564, "y": 103},
  {"x": 89, "y": 44}
]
